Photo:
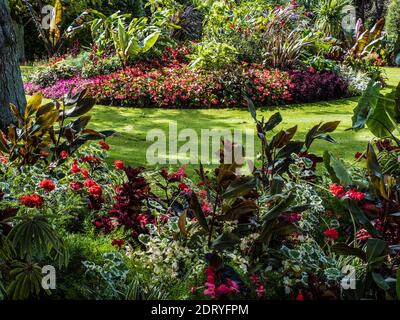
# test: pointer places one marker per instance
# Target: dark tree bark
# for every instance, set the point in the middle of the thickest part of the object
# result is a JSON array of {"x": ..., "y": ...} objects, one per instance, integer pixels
[{"x": 11, "y": 86}]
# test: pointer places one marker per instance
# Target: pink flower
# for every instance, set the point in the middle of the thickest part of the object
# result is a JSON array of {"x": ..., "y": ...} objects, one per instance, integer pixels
[
  {"x": 206, "y": 207},
  {"x": 76, "y": 186},
  {"x": 185, "y": 188},
  {"x": 178, "y": 175},
  {"x": 363, "y": 235}
]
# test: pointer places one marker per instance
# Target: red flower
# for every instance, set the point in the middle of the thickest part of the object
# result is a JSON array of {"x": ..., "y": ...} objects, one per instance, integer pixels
[
  {"x": 104, "y": 145},
  {"x": 222, "y": 289},
  {"x": 337, "y": 190},
  {"x": 32, "y": 201},
  {"x": 142, "y": 219},
  {"x": 64, "y": 154},
  {"x": 260, "y": 289},
  {"x": 76, "y": 186},
  {"x": 178, "y": 175},
  {"x": 356, "y": 195},
  {"x": 291, "y": 217},
  {"x": 206, "y": 207},
  {"x": 185, "y": 188},
  {"x": 90, "y": 158},
  {"x": 85, "y": 173},
  {"x": 47, "y": 185},
  {"x": 98, "y": 224},
  {"x": 331, "y": 233},
  {"x": 358, "y": 155},
  {"x": 95, "y": 190},
  {"x": 75, "y": 168},
  {"x": 300, "y": 296},
  {"x": 203, "y": 194},
  {"x": 118, "y": 243},
  {"x": 119, "y": 165},
  {"x": 89, "y": 182}
]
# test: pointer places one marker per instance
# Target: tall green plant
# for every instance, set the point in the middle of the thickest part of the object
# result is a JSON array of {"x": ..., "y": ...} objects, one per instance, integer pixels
[
  {"x": 379, "y": 112},
  {"x": 127, "y": 43},
  {"x": 393, "y": 24},
  {"x": 329, "y": 16}
]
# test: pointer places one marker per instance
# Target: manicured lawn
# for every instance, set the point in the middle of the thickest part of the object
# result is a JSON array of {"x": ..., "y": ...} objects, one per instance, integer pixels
[{"x": 132, "y": 125}]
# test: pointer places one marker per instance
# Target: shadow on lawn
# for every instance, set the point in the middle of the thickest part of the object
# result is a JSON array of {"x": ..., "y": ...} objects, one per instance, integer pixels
[{"x": 132, "y": 126}]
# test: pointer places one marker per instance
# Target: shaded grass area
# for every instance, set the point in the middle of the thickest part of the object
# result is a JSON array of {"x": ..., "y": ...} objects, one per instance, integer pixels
[{"x": 132, "y": 125}]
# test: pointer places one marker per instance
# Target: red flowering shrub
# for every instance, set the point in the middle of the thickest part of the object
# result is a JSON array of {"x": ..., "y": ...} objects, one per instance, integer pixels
[
  {"x": 331, "y": 234},
  {"x": 219, "y": 286},
  {"x": 128, "y": 209},
  {"x": 32, "y": 201},
  {"x": 167, "y": 82},
  {"x": 308, "y": 86},
  {"x": 47, "y": 185}
]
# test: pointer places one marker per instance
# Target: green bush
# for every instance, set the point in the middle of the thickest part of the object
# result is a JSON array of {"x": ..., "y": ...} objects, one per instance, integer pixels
[
  {"x": 212, "y": 55},
  {"x": 73, "y": 283},
  {"x": 393, "y": 24},
  {"x": 101, "y": 66}
]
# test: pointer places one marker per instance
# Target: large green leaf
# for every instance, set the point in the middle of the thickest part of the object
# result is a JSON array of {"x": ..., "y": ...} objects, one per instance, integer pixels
[
  {"x": 366, "y": 105},
  {"x": 239, "y": 187},
  {"x": 381, "y": 121},
  {"x": 273, "y": 121},
  {"x": 225, "y": 241},
  {"x": 319, "y": 132},
  {"x": 375, "y": 248},
  {"x": 150, "y": 41},
  {"x": 345, "y": 250},
  {"x": 279, "y": 208},
  {"x": 360, "y": 217},
  {"x": 337, "y": 169},
  {"x": 380, "y": 281}
]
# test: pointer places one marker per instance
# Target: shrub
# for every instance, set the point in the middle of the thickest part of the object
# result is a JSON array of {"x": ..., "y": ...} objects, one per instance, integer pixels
[
  {"x": 168, "y": 82},
  {"x": 101, "y": 66},
  {"x": 317, "y": 86},
  {"x": 392, "y": 24},
  {"x": 213, "y": 55}
]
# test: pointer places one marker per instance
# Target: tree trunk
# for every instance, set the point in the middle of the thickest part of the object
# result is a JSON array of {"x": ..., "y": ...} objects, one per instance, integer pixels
[
  {"x": 11, "y": 86},
  {"x": 19, "y": 36}
]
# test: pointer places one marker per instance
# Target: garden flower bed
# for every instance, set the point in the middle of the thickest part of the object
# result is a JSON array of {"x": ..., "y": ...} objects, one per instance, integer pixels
[
  {"x": 169, "y": 83},
  {"x": 289, "y": 221}
]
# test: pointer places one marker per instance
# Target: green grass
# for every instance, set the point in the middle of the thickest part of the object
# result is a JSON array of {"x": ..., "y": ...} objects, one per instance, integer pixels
[{"x": 132, "y": 125}]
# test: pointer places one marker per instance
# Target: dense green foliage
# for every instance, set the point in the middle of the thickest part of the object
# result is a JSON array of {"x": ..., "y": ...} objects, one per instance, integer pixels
[{"x": 393, "y": 24}]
